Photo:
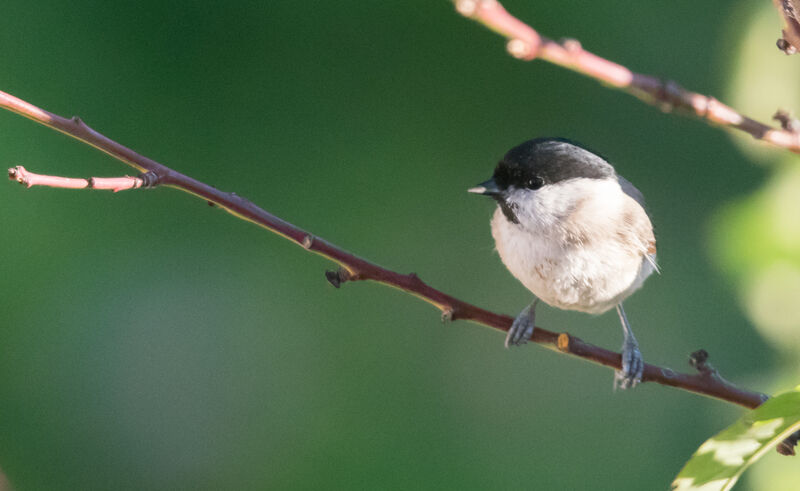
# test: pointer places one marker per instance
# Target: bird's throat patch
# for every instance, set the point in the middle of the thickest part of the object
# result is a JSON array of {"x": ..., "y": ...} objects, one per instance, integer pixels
[{"x": 509, "y": 210}]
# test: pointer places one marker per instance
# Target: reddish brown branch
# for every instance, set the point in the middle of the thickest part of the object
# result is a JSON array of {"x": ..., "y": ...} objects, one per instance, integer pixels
[
  {"x": 527, "y": 44},
  {"x": 354, "y": 268}
]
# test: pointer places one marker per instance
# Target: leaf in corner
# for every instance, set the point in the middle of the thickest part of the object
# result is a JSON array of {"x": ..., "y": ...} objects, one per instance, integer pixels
[{"x": 718, "y": 463}]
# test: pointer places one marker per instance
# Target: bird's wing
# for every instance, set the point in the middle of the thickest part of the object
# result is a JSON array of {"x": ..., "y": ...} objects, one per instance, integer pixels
[
  {"x": 631, "y": 191},
  {"x": 642, "y": 226}
]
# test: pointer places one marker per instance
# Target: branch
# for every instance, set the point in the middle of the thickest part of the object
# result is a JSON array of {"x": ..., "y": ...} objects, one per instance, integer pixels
[
  {"x": 353, "y": 268},
  {"x": 527, "y": 44},
  {"x": 29, "y": 179}
]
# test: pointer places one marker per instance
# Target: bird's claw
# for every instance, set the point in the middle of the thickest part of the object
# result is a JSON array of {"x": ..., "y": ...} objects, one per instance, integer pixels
[
  {"x": 521, "y": 329},
  {"x": 632, "y": 366}
]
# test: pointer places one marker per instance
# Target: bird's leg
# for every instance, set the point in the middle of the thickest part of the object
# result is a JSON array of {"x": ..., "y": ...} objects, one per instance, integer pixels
[
  {"x": 522, "y": 327},
  {"x": 632, "y": 362}
]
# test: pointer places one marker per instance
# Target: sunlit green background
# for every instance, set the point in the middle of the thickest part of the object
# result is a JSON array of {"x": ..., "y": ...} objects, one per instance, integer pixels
[{"x": 148, "y": 341}]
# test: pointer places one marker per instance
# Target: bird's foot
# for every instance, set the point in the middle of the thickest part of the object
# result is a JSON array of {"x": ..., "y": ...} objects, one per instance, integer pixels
[
  {"x": 522, "y": 327},
  {"x": 632, "y": 365}
]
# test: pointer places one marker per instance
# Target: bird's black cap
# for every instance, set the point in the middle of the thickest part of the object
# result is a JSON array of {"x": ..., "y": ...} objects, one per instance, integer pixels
[
  {"x": 540, "y": 162},
  {"x": 543, "y": 161}
]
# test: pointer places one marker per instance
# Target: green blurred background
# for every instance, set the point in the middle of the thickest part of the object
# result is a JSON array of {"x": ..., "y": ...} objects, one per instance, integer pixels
[{"x": 148, "y": 341}]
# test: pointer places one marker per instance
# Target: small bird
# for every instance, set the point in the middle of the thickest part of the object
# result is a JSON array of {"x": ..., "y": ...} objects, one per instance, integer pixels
[{"x": 573, "y": 232}]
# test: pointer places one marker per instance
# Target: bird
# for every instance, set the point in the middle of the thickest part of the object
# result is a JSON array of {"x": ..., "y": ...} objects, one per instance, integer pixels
[{"x": 574, "y": 233}]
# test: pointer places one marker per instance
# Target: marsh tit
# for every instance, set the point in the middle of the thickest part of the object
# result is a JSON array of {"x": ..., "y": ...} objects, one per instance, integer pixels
[{"x": 573, "y": 232}]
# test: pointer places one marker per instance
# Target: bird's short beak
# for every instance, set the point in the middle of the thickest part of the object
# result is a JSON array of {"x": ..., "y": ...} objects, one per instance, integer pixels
[{"x": 488, "y": 188}]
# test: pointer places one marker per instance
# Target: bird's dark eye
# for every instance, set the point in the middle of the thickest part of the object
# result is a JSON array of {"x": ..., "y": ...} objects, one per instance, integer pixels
[{"x": 534, "y": 183}]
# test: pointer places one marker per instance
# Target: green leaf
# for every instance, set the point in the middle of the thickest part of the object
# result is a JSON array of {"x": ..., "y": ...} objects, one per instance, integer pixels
[{"x": 719, "y": 462}]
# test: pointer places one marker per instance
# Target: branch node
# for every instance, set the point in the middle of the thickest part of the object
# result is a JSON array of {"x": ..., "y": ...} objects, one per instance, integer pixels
[
  {"x": 787, "y": 121},
  {"x": 414, "y": 279},
  {"x": 563, "y": 342},
  {"x": 149, "y": 179},
  {"x": 21, "y": 175},
  {"x": 705, "y": 106},
  {"x": 698, "y": 360},
  {"x": 786, "y": 447},
  {"x": 16, "y": 173},
  {"x": 520, "y": 49},
  {"x": 448, "y": 315},
  {"x": 790, "y": 40},
  {"x": 333, "y": 278},
  {"x": 467, "y": 8},
  {"x": 571, "y": 45},
  {"x": 308, "y": 241},
  {"x": 341, "y": 275},
  {"x": 77, "y": 120},
  {"x": 669, "y": 95},
  {"x": 788, "y": 49},
  {"x": 668, "y": 373}
]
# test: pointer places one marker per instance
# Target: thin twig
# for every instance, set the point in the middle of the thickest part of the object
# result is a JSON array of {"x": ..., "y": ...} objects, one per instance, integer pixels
[
  {"x": 353, "y": 268},
  {"x": 527, "y": 44},
  {"x": 29, "y": 179}
]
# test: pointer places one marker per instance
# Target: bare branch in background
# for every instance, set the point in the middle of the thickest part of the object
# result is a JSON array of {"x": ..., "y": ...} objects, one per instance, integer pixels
[{"x": 526, "y": 43}]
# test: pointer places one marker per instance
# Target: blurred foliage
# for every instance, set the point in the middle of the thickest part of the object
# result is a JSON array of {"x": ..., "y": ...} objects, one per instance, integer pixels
[
  {"x": 755, "y": 238},
  {"x": 151, "y": 342},
  {"x": 721, "y": 460},
  {"x": 758, "y": 244}
]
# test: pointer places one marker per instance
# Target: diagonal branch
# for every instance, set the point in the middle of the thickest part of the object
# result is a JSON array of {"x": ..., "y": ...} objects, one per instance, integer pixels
[
  {"x": 527, "y": 44},
  {"x": 354, "y": 268}
]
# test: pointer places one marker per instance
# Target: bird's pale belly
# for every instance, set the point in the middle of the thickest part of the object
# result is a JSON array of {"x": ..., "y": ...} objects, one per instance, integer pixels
[{"x": 571, "y": 279}]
